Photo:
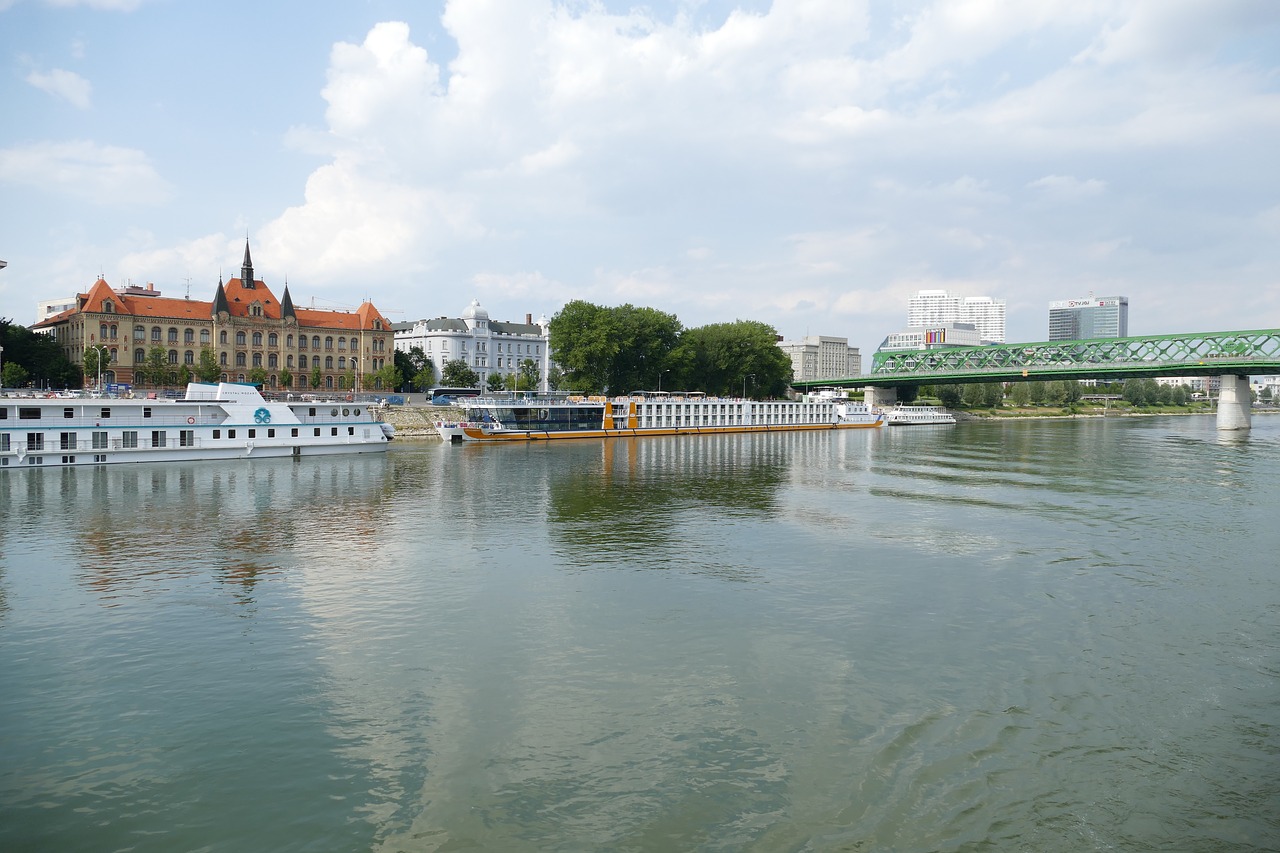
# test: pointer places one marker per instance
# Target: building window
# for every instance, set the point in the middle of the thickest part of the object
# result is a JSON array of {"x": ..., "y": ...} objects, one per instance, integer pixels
[
  {"x": 140, "y": 332},
  {"x": 139, "y": 356},
  {"x": 288, "y": 342},
  {"x": 342, "y": 343},
  {"x": 302, "y": 342},
  {"x": 328, "y": 343},
  {"x": 302, "y": 362},
  {"x": 328, "y": 362},
  {"x": 155, "y": 334},
  {"x": 257, "y": 339},
  {"x": 188, "y": 336},
  {"x": 173, "y": 336},
  {"x": 189, "y": 357},
  {"x": 273, "y": 340},
  {"x": 239, "y": 339},
  {"x": 102, "y": 331},
  {"x": 342, "y": 362},
  {"x": 315, "y": 342},
  {"x": 288, "y": 361},
  {"x": 222, "y": 359},
  {"x": 222, "y": 337},
  {"x": 257, "y": 359},
  {"x": 204, "y": 337},
  {"x": 108, "y": 307},
  {"x": 173, "y": 356},
  {"x": 273, "y": 361},
  {"x": 240, "y": 361}
]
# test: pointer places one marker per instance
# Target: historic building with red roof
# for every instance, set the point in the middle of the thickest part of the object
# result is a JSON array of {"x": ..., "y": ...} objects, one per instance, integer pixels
[{"x": 252, "y": 335}]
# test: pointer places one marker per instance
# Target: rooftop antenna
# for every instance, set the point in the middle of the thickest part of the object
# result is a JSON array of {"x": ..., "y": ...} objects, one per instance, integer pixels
[{"x": 188, "y": 280}]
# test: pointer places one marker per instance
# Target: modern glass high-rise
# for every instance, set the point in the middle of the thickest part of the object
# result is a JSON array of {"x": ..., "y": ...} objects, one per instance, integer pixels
[
  {"x": 935, "y": 308},
  {"x": 1091, "y": 317}
]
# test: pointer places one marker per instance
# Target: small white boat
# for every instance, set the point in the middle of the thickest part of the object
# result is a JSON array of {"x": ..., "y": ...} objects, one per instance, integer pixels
[
  {"x": 917, "y": 416},
  {"x": 224, "y": 421}
]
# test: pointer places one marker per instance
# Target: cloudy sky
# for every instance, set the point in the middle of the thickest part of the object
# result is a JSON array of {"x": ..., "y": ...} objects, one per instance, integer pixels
[{"x": 807, "y": 163}]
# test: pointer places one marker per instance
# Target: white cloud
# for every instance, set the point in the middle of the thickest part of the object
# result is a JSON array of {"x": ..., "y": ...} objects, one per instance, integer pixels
[
  {"x": 67, "y": 85},
  {"x": 1067, "y": 187},
  {"x": 99, "y": 5},
  {"x": 104, "y": 174}
]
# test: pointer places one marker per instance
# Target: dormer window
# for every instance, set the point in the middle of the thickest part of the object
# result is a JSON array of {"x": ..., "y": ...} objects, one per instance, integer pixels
[{"x": 108, "y": 307}]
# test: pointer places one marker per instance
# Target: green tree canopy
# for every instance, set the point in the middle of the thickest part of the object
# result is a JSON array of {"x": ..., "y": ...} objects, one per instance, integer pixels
[
  {"x": 529, "y": 376},
  {"x": 38, "y": 355},
  {"x": 732, "y": 358},
  {"x": 457, "y": 374},
  {"x": 208, "y": 369},
  {"x": 96, "y": 360},
  {"x": 616, "y": 349},
  {"x": 495, "y": 382}
]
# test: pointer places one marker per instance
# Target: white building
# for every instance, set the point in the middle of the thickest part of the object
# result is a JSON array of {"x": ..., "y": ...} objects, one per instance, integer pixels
[
  {"x": 818, "y": 357},
  {"x": 49, "y": 307},
  {"x": 934, "y": 337},
  {"x": 934, "y": 308},
  {"x": 1090, "y": 317},
  {"x": 487, "y": 346}
]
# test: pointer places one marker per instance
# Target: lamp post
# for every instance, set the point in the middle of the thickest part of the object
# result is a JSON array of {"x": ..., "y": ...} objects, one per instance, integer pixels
[
  {"x": 668, "y": 370},
  {"x": 101, "y": 349}
]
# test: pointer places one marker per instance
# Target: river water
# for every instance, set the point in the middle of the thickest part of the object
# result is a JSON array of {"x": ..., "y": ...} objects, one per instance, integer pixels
[{"x": 1041, "y": 636}]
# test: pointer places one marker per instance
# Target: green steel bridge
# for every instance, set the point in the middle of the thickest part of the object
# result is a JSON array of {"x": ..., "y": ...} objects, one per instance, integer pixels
[{"x": 1105, "y": 359}]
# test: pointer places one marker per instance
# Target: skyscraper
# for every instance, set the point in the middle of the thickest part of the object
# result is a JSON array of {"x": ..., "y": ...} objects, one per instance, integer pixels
[
  {"x": 943, "y": 308},
  {"x": 1091, "y": 317}
]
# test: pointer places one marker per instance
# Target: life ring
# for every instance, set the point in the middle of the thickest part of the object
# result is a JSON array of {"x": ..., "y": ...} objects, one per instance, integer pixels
[{"x": 191, "y": 420}]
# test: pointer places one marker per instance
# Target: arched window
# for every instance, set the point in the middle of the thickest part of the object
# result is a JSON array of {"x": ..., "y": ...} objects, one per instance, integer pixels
[
  {"x": 328, "y": 382},
  {"x": 328, "y": 362},
  {"x": 173, "y": 356},
  {"x": 102, "y": 331},
  {"x": 188, "y": 357},
  {"x": 288, "y": 361},
  {"x": 188, "y": 336},
  {"x": 173, "y": 335},
  {"x": 140, "y": 332},
  {"x": 288, "y": 342},
  {"x": 204, "y": 337},
  {"x": 257, "y": 359},
  {"x": 222, "y": 337},
  {"x": 139, "y": 355},
  {"x": 257, "y": 339},
  {"x": 239, "y": 359},
  {"x": 342, "y": 362},
  {"x": 328, "y": 343},
  {"x": 315, "y": 342},
  {"x": 302, "y": 362},
  {"x": 156, "y": 333},
  {"x": 222, "y": 359},
  {"x": 302, "y": 342},
  {"x": 342, "y": 343},
  {"x": 239, "y": 339},
  {"x": 114, "y": 330},
  {"x": 273, "y": 360},
  {"x": 273, "y": 340}
]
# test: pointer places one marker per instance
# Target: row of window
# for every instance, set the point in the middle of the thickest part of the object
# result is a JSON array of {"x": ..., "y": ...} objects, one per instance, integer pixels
[
  {"x": 131, "y": 440},
  {"x": 110, "y": 332}
]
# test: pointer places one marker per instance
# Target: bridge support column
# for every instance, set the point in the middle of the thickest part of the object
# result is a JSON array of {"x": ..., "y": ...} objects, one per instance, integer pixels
[
  {"x": 1233, "y": 403},
  {"x": 880, "y": 397}
]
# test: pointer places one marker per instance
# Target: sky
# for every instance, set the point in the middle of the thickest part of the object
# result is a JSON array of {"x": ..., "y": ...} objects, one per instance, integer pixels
[{"x": 809, "y": 164}]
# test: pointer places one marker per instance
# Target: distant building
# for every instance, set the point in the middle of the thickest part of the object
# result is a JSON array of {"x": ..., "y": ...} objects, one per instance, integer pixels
[
  {"x": 818, "y": 357},
  {"x": 1091, "y": 317},
  {"x": 487, "y": 346},
  {"x": 934, "y": 337},
  {"x": 933, "y": 308},
  {"x": 249, "y": 331},
  {"x": 49, "y": 307}
]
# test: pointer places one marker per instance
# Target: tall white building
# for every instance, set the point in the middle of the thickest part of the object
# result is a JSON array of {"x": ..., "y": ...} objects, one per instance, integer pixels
[
  {"x": 817, "y": 357},
  {"x": 935, "y": 308},
  {"x": 487, "y": 346},
  {"x": 1090, "y": 317}
]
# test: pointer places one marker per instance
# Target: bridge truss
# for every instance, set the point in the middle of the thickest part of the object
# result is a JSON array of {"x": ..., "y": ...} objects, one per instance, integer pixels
[{"x": 1107, "y": 359}]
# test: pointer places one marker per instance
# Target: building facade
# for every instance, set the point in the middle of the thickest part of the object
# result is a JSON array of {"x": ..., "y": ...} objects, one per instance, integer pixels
[
  {"x": 251, "y": 335},
  {"x": 934, "y": 337},
  {"x": 937, "y": 308},
  {"x": 818, "y": 357},
  {"x": 1091, "y": 317},
  {"x": 487, "y": 346}
]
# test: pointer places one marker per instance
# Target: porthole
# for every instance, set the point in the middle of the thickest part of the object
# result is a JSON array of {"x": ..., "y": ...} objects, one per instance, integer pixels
[
  {"x": 346, "y": 413},
  {"x": 356, "y": 412},
  {"x": 333, "y": 413}
]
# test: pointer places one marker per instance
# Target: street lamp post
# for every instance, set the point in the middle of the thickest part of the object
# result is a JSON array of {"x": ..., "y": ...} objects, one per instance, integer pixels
[{"x": 101, "y": 349}]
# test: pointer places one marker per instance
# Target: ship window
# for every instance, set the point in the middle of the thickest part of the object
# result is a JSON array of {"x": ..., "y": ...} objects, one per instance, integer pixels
[
  {"x": 4, "y": 443},
  {"x": 351, "y": 430},
  {"x": 129, "y": 438},
  {"x": 68, "y": 413},
  {"x": 67, "y": 441},
  {"x": 99, "y": 440},
  {"x": 333, "y": 431},
  {"x": 317, "y": 432},
  {"x": 253, "y": 433},
  {"x": 28, "y": 414},
  {"x": 159, "y": 438},
  {"x": 146, "y": 411},
  {"x": 106, "y": 412},
  {"x": 271, "y": 433},
  {"x": 217, "y": 433},
  {"x": 187, "y": 438},
  {"x": 311, "y": 411},
  {"x": 231, "y": 433},
  {"x": 4, "y": 414},
  {"x": 35, "y": 441}
]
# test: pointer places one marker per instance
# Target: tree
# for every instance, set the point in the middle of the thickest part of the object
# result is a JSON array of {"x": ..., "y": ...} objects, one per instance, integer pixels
[
  {"x": 1020, "y": 394},
  {"x": 386, "y": 378},
  {"x": 732, "y": 358},
  {"x": 616, "y": 349},
  {"x": 96, "y": 359},
  {"x": 258, "y": 376},
  {"x": 184, "y": 375},
  {"x": 207, "y": 370},
  {"x": 316, "y": 376},
  {"x": 286, "y": 378},
  {"x": 156, "y": 371},
  {"x": 39, "y": 355},
  {"x": 13, "y": 375},
  {"x": 529, "y": 375},
  {"x": 495, "y": 382},
  {"x": 972, "y": 395},
  {"x": 950, "y": 395},
  {"x": 457, "y": 374},
  {"x": 415, "y": 365},
  {"x": 555, "y": 378}
]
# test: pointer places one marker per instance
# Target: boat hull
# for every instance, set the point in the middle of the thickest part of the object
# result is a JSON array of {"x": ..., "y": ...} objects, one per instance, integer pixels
[{"x": 477, "y": 433}]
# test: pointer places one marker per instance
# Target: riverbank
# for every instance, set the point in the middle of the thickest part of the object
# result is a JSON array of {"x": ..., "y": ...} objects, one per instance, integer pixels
[{"x": 418, "y": 421}]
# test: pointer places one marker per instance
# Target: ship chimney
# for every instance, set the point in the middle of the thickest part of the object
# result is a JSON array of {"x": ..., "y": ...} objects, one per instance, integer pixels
[{"x": 528, "y": 319}]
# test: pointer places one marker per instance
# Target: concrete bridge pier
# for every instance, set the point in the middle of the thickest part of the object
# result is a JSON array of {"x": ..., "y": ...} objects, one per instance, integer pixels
[
  {"x": 1233, "y": 403},
  {"x": 882, "y": 398}
]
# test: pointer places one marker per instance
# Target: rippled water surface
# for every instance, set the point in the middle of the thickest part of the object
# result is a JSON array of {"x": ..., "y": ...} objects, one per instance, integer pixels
[{"x": 1042, "y": 636}]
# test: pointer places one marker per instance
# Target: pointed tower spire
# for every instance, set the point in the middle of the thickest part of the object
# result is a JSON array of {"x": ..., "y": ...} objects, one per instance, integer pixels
[
  {"x": 246, "y": 268},
  {"x": 220, "y": 304},
  {"x": 286, "y": 306}
]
